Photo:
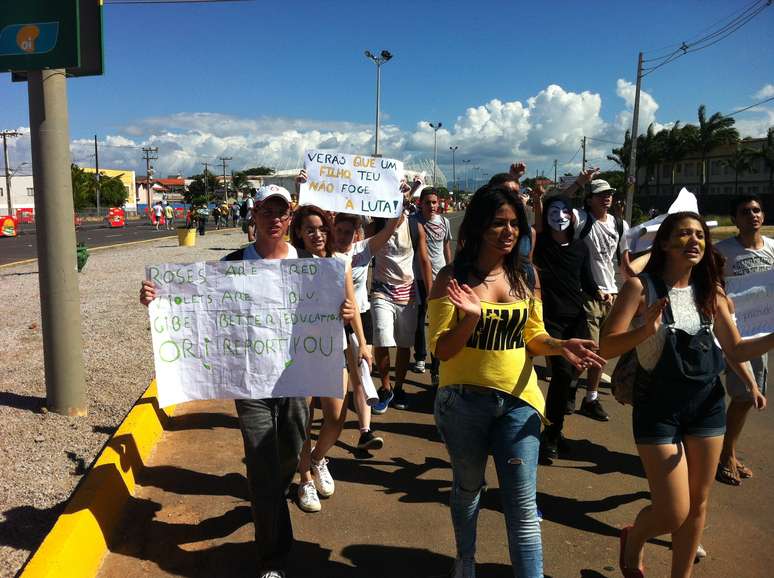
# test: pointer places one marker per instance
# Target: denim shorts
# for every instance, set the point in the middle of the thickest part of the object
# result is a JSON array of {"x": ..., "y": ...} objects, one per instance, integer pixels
[{"x": 665, "y": 418}]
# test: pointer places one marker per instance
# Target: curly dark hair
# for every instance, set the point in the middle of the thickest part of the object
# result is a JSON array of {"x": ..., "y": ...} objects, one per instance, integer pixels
[
  {"x": 478, "y": 218},
  {"x": 297, "y": 237},
  {"x": 706, "y": 275}
]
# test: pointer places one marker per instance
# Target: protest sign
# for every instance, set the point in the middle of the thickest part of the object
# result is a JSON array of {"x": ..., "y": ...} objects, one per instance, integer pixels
[
  {"x": 357, "y": 184},
  {"x": 753, "y": 297},
  {"x": 247, "y": 329}
]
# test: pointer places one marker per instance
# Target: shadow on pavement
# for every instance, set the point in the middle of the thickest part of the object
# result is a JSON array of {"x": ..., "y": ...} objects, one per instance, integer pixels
[
  {"x": 190, "y": 482},
  {"x": 23, "y": 402},
  {"x": 605, "y": 461},
  {"x": 202, "y": 420}
]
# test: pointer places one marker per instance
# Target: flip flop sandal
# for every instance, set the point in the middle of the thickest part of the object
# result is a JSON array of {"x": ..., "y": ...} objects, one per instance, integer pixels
[
  {"x": 743, "y": 471},
  {"x": 725, "y": 475}
]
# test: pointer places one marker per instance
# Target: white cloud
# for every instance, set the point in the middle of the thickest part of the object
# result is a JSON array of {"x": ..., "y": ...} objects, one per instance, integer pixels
[
  {"x": 548, "y": 125},
  {"x": 765, "y": 92},
  {"x": 648, "y": 108}
]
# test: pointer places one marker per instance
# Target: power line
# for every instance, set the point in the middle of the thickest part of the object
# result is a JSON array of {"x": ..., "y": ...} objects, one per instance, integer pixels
[
  {"x": 709, "y": 39},
  {"x": 733, "y": 14},
  {"x": 602, "y": 140},
  {"x": 573, "y": 157},
  {"x": 751, "y": 106}
]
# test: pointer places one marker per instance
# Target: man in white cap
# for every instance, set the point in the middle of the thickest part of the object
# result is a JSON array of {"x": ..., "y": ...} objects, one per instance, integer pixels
[{"x": 273, "y": 429}]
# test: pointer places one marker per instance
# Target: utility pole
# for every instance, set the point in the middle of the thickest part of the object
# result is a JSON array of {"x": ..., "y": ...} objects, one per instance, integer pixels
[
  {"x": 583, "y": 161},
  {"x": 206, "y": 196},
  {"x": 96, "y": 170},
  {"x": 225, "y": 183},
  {"x": 555, "y": 164},
  {"x": 454, "y": 170},
  {"x": 631, "y": 179},
  {"x": 148, "y": 151},
  {"x": 435, "y": 127},
  {"x": 60, "y": 307},
  {"x": 5, "y": 134},
  {"x": 475, "y": 177}
]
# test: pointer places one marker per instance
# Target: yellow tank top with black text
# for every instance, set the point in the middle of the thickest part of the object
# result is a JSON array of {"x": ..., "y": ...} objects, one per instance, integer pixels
[{"x": 495, "y": 355}]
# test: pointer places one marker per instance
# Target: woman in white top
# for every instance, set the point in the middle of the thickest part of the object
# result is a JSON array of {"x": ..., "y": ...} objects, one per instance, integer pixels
[
  {"x": 311, "y": 230},
  {"x": 679, "y": 412}
]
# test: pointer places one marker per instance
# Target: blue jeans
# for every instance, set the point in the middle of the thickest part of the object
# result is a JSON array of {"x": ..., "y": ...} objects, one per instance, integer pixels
[{"x": 474, "y": 422}]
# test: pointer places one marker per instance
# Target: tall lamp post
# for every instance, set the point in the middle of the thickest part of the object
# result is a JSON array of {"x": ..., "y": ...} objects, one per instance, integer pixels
[
  {"x": 435, "y": 127},
  {"x": 475, "y": 177},
  {"x": 454, "y": 168},
  {"x": 383, "y": 57},
  {"x": 466, "y": 163}
]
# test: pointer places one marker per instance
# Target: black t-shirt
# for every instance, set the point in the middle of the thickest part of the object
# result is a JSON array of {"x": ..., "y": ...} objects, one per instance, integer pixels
[{"x": 565, "y": 274}]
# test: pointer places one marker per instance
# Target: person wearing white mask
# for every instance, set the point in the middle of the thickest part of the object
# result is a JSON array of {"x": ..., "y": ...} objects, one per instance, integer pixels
[{"x": 563, "y": 266}]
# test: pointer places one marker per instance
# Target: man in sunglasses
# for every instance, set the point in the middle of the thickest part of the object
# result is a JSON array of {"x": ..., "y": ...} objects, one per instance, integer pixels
[{"x": 273, "y": 429}]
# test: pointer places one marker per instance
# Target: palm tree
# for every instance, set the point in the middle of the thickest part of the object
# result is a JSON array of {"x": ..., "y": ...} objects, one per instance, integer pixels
[
  {"x": 739, "y": 163},
  {"x": 676, "y": 143},
  {"x": 767, "y": 155},
  {"x": 648, "y": 154},
  {"x": 712, "y": 132}
]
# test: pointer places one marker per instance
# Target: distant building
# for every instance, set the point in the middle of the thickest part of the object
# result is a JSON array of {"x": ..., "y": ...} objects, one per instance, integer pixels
[{"x": 22, "y": 194}]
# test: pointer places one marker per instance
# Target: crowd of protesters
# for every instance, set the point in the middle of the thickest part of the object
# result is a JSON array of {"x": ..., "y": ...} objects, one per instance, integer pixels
[{"x": 565, "y": 288}]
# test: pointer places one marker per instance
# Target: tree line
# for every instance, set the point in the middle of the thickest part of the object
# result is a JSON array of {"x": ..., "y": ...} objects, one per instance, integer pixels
[{"x": 672, "y": 145}]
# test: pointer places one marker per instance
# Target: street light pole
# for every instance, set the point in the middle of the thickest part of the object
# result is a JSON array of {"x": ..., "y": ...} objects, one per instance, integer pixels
[
  {"x": 466, "y": 162},
  {"x": 435, "y": 128},
  {"x": 475, "y": 177},
  {"x": 632, "y": 176},
  {"x": 383, "y": 57},
  {"x": 454, "y": 170}
]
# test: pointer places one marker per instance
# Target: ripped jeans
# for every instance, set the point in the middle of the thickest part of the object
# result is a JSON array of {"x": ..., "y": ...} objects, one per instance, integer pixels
[{"x": 474, "y": 422}]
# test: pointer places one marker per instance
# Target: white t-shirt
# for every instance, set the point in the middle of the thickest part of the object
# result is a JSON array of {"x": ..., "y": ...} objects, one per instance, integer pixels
[
  {"x": 602, "y": 241},
  {"x": 251, "y": 253},
  {"x": 359, "y": 256},
  {"x": 743, "y": 261},
  {"x": 157, "y": 209}
]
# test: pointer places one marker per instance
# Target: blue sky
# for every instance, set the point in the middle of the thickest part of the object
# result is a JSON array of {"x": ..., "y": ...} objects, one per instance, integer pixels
[{"x": 261, "y": 81}]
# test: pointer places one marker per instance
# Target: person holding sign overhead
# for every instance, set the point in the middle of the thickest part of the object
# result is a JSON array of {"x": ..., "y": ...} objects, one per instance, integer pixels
[
  {"x": 273, "y": 429},
  {"x": 311, "y": 231},
  {"x": 673, "y": 313}
]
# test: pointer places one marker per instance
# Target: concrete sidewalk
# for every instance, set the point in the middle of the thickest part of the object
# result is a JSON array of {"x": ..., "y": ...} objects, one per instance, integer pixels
[{"x": 389, "y": 516}]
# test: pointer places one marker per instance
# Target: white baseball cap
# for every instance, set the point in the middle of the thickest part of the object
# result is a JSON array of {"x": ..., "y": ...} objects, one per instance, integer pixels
[
  {"x": 268, "y": 191},
  {"x": 600, "y": 186}
]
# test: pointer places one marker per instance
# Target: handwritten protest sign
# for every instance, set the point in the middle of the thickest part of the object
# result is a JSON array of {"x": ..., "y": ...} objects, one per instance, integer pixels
[
  {"x": 357, "y": 184},
  {"x": 753, "y": 297},
  {"x": 247, "y": 329}
]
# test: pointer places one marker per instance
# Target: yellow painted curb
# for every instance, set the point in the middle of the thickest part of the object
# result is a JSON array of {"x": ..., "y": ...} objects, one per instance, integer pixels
[{"x": 77, "y": 543}]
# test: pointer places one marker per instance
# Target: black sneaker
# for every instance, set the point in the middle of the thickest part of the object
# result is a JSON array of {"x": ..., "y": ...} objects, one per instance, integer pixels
[
  {"x": 368, "y": 441},
  {"x": 549, "y": 450},
  {"x": 401, "y": 400},
  {"x": 593, "y": 409}
]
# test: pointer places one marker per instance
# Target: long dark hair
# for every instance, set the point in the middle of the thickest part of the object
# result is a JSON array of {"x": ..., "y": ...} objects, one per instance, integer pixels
[
  {"x": 297, "y": 237},
  {"x": 706, "y": 276},
  {"x": 478, "y": 218}
]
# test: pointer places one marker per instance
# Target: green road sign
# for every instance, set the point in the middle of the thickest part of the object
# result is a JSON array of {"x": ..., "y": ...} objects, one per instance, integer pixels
[
  {"x": 39, "y": 34},
  {"x": 90, "y": 22}
]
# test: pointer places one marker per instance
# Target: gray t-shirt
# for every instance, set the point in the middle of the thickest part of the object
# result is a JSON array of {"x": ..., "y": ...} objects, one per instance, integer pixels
[
  {"x": 743, "y": 261},
  {"x": 437, "y": 233}
]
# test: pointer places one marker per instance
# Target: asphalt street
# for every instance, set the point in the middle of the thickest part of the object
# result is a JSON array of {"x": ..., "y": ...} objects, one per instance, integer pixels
[{"x": 24, "y": 245}]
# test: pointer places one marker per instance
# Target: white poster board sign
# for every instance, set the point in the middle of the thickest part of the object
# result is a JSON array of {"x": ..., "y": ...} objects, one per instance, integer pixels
[
  {"x": 358, "y": 184},
  {"x": 247, "y": 329},
  {"x": 753, "y": 297}
]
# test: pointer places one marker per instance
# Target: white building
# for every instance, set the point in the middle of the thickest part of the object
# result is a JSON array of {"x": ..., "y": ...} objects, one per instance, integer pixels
[{"x": 22, "y": 193}]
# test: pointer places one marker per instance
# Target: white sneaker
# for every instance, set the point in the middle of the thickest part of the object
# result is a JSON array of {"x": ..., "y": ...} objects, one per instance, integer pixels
[
  {"x": 322, "y": 477},
  {"x": 605, "y": 378},
  {"x": 307, "y": 498},
  {"x": 272, "y": 574},
  {"x": 700, "y": 553}
]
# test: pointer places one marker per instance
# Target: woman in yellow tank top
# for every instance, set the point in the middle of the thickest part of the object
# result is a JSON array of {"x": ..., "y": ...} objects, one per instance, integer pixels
[{"x": 486, "y": 323}]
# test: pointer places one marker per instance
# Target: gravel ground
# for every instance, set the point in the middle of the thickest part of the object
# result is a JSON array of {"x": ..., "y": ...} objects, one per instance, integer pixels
[{"x": 44, "y": 455}]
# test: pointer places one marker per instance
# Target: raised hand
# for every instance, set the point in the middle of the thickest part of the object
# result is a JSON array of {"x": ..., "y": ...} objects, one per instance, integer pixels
[
  {"x": 518, "y": 170},
  {"x": 301, "y": 177},
  {"x": 147, "y": 292},
  {"x": 585, "y": 177},
  {"x": 464, "y": 298},
  {"x": 653, "y": 315}
]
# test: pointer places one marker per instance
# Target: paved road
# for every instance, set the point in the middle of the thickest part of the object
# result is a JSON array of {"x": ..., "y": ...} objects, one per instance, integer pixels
[{"x": 24, "y": 246}]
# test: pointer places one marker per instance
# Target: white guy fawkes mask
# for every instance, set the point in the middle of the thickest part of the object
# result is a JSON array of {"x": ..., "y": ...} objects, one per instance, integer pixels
[{"x": 559, "y": 216}]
